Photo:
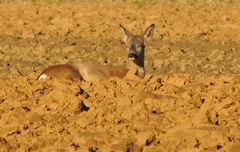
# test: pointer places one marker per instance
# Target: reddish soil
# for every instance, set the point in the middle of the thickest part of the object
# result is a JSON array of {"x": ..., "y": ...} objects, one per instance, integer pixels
[{"x": 188, "y": 101}]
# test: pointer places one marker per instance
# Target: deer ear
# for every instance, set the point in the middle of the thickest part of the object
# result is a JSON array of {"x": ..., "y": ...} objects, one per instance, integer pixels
[
  {"x": 125, "y": 34},
  {"x": 149, "y": 31}
]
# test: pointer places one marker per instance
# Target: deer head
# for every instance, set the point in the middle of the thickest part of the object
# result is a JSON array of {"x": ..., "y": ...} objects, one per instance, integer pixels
[{"x": 136, "y": 46}]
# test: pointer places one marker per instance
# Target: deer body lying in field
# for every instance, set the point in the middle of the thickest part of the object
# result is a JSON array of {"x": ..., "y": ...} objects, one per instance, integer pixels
[{"x": 92, "y": 72}]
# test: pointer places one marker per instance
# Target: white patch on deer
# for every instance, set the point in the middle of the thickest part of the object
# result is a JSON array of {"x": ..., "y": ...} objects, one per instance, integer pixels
[{"x": 42, "y": 76}]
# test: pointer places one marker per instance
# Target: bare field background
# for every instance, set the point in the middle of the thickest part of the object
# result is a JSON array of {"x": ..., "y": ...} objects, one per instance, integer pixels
[{"x": 188, "y": 101}]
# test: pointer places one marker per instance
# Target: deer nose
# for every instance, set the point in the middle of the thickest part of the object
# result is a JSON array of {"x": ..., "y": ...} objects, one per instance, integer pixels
[{"x": 132, "y": 55}]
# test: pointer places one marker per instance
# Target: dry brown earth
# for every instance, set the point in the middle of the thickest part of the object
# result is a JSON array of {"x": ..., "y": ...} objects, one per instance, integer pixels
[{"x": 189, "y": 100}]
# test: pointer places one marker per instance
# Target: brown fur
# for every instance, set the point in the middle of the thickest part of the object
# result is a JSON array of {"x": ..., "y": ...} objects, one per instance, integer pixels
[
  {"x": 92, "y": 72},
  {"x": 114, "y": 71},
  {"x": 62, "y": 71}
]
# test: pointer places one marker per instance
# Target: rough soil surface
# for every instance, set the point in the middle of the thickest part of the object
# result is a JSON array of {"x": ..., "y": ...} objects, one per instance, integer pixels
[{"x": 188, "y": 101}]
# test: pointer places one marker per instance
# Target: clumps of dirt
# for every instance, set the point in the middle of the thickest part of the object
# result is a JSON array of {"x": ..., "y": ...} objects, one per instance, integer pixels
[
  {"x": 4, "y": 145},
  {"x": 46, "y": 34},
  {"x": 188, "y": 101},
  {"x": 121, "y": 114}
]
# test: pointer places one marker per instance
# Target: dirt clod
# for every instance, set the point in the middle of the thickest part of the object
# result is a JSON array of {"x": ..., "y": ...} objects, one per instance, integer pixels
[{"x": 189, "y": 99}]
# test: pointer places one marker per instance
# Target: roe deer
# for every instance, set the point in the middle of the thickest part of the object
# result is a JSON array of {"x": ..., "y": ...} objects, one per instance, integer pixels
[{"x": 92, "y": 72}]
